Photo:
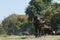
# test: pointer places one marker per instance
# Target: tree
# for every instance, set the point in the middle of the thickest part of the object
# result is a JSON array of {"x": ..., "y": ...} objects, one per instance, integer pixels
[
  {"x": 1, "y": 29},
  {"x": 52, "y": 16},
  {"x": 55, "y": 22},
  {"x": 12, "y": 23},
  {"x": 50, "y": 12},
  {"x": 56, "y": 16},
  {"x": 36, "y": 7}
]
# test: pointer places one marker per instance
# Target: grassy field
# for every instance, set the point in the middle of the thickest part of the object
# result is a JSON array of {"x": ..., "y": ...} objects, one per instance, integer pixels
[{"x": 30, "y": 38}]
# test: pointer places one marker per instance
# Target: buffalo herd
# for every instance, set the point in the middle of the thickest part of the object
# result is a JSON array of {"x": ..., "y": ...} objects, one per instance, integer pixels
[{"x": 41, "y": 28}]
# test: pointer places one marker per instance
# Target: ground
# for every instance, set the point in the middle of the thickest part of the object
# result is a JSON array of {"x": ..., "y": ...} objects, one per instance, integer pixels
[{"x": 49, "y": 37}]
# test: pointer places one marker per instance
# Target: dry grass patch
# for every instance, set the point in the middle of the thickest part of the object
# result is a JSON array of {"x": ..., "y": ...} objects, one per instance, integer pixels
[{"x": 48, "y": 37}]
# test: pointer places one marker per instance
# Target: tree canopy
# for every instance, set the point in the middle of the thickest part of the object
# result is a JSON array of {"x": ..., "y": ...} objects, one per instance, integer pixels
[
  {"x": 46, "y": 8},
  {"x": 12, "y": 23},
  {"x": 36, "y": 7}
]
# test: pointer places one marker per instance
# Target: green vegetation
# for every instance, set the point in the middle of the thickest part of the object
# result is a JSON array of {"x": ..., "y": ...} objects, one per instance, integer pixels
[
  {"x": 15, "y": 24},
  {"x": 1, "y": 29},
  {"x": 46, "y": 8},
  {"x": 37, "y": 7}
]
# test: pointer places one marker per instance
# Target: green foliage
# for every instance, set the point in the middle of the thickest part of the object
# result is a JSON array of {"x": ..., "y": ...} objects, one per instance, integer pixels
[
  {"x": 55, "y": 18},
  {"x": 51, "y": 11},
  {"x": 55, "y": 21},
  {"x": 15, "y": 23},
  {"x": 12, "y": 23},
  {"x": 39, "y": 7},
  {"x": 52, "y": 16},
  {"x": 47, "y": 2},
  {"x": 1, "y": 29},
  {"x": 36, "y": 7}
]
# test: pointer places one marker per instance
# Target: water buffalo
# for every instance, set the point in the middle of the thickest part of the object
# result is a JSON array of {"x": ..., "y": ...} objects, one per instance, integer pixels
[{"x": 38, "y": 24}]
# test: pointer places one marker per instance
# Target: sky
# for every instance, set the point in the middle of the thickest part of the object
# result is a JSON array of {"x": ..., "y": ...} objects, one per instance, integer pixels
[
  {"x": 8, "y": 7},
  {"x": 57, "y": 1}
]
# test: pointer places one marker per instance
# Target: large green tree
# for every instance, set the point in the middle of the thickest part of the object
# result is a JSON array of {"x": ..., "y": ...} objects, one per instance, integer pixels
[
  {"x": 52, "y": 15},
  {"x": 39, "y": 7},
  {"x": 47, "y": 8},
  {"x": 36, "y": 7},
  {"x": 55, "y": 16},
  {"x": 13, "y": 23}
]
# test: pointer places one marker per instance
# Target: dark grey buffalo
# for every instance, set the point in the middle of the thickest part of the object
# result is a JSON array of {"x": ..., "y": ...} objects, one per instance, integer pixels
[
  {"x": 58, "y": 32},
  {"x": 25, "y": 33},
  {"x": 38, "y": 23},
  {"x": 41, "y": 27}
]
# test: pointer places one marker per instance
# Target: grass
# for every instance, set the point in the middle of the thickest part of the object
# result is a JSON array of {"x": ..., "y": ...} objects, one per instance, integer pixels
[
  {"x": 11, "y": 37},
  {"x": 29, "y": 37}
]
